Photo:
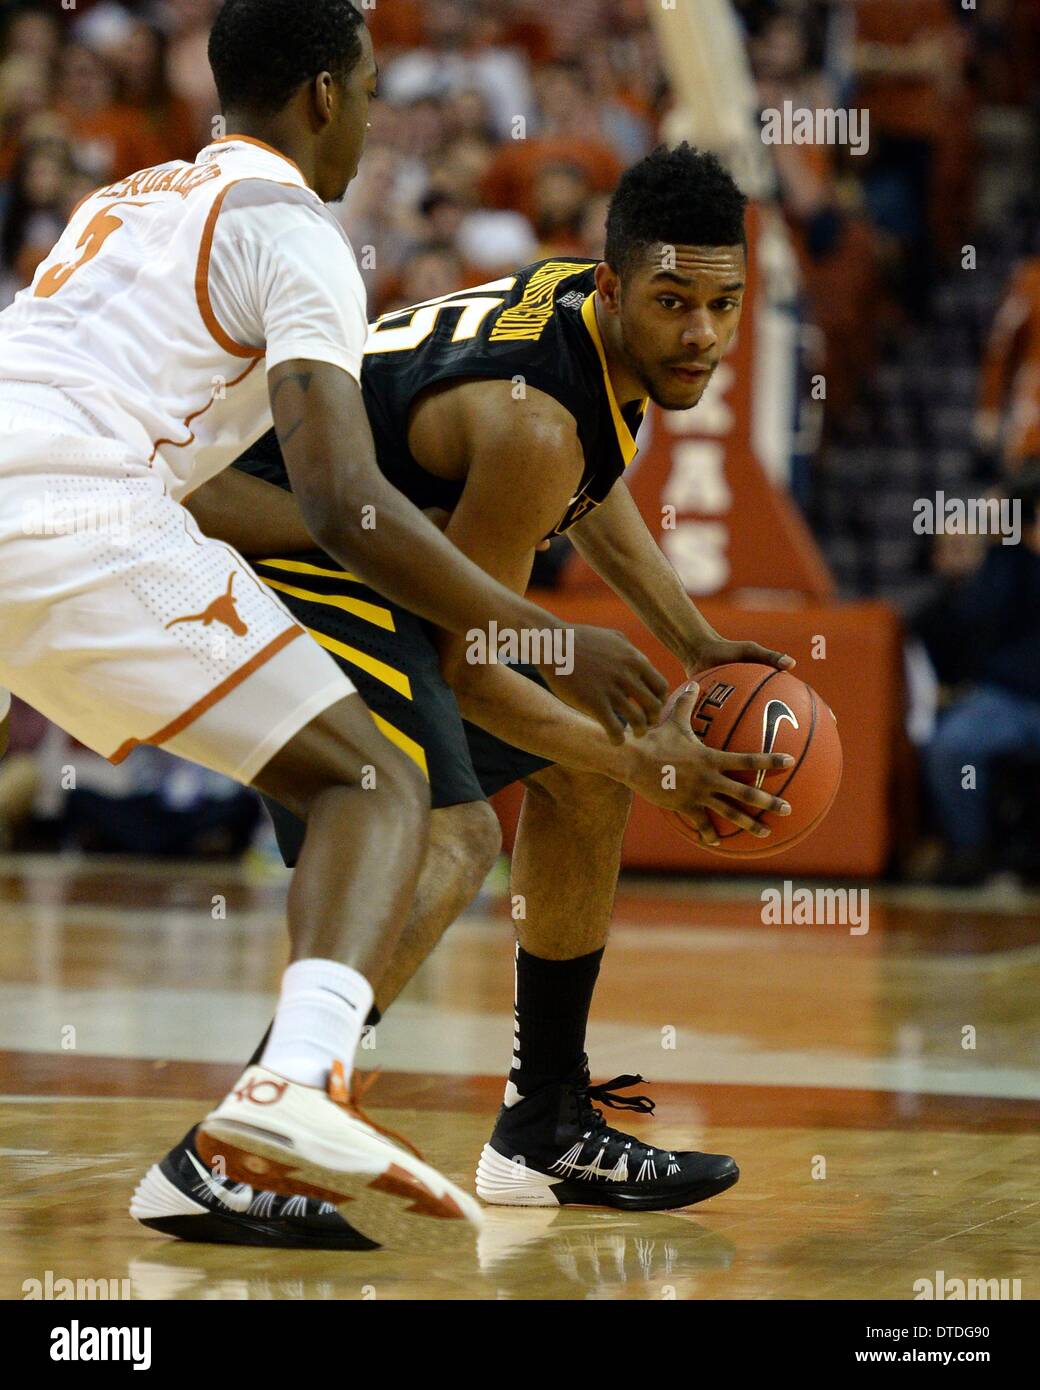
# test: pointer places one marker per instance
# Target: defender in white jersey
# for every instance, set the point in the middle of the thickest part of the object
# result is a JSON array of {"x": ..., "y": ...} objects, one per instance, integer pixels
[
  {"x": 183, "y": 309},
  {"x": 131, "y": 371}
]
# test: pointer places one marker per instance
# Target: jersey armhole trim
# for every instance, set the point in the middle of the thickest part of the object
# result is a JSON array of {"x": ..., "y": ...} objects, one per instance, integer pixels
[{"x": 209, "y": 318}]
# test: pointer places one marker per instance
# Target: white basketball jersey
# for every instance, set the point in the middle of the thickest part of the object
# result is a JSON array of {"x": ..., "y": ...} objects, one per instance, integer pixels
[{"x": 130, "y": 320}]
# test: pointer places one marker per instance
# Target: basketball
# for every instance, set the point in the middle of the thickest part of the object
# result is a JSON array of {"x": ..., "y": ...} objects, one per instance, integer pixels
[{"x": 755, "y": 709}]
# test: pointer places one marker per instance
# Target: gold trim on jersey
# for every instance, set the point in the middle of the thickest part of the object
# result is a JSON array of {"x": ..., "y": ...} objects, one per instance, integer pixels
[
  {"x": 381, "y": 617},
  {"x": 301, "y": 567},
  {"x": 626, "y": 439},
  {"x": 378, "y": 670},
  {"x": 525, "y": 321}
]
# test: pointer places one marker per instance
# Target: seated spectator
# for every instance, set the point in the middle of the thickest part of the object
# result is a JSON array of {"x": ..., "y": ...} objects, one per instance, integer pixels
[
  {"x": 984, "y": 629},
  {"x": 188, "y": 23},
  {"x": 466, "y": 113},
  {"x": 376, "y": 217},
  {"x": 24, "y": 93},
  {"x": 54, "y": 793},
  {"x": 1008, "y": 420},
  {"x": 910, "y": 58},
  {"x": 37, "y": 209},
  {"x": 431, "y": 272},
  {"x": 141, "y": 66},
  {"x": 593, "y": 234},
  {"x": 495, "y": 243},
  {"x": 625, "y": 117},
  {"x": 396, "y": 26},
  {"x": 110, "y": 138},
  {"x": 561, "y": 194},
  {"x": 458, "y": 57},
  {"x": 33, "y": 34},
  {"x": 568, "y": 132},
  {"x": 490, "y": 243}
]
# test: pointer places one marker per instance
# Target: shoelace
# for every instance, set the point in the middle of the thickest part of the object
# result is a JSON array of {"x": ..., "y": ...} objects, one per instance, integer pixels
[{"x": 606, "y": 1092}]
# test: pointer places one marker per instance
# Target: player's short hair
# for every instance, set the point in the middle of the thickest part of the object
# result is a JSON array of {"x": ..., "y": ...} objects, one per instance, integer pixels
[
  {"x": 681, "y": 197},
  {"x": 262, "y": 51}
]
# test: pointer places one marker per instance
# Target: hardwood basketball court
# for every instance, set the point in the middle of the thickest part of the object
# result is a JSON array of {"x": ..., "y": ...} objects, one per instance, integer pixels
[{"x": 881, "y": 1141}]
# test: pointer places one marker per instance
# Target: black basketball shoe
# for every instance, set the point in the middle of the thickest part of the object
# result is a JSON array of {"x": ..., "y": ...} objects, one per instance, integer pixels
[
  {"x": 182, "y": 1198},
  {"x": 554, "y": 1148}
]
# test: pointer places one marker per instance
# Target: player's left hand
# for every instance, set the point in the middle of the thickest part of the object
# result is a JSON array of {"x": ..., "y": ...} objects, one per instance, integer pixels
[{"x": 717, "y": 651}]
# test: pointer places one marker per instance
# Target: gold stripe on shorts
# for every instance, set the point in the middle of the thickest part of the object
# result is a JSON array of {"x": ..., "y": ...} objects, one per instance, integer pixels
[
  {"x": 379, "y": 670},
  {"x": 406, "y": 744},
  {"x": 301, "y": 567},
  {"x": 381, "y": 617}
]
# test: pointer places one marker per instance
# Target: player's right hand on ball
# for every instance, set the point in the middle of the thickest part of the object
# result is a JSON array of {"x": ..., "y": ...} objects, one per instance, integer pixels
[
  {"x": 702, "y": 779},
  {"x": 611, "y": 681}
]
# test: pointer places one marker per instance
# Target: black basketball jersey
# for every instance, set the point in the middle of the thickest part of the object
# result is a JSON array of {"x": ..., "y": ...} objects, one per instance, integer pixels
[{"x": 536, "y": 328}]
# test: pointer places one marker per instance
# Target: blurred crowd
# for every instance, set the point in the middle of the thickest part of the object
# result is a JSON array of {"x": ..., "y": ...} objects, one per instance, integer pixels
[{"x": 503, "y": 126}]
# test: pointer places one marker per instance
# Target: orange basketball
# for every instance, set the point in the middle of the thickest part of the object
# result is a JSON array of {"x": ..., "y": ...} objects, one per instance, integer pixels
[{"x": 744, "y": 708}]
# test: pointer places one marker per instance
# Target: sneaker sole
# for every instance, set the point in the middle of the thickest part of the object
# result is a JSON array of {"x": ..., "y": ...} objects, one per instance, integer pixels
[
  {"x": 261, "y": 1160},
  {"x": 503, "y": 1183},
  {"x": 162, "y": 1206}
]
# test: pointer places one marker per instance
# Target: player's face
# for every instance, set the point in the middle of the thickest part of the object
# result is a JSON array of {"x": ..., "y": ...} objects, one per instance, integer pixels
[
  {"x": 678, "y": 313},
  {"x": 345, "y": 137}
]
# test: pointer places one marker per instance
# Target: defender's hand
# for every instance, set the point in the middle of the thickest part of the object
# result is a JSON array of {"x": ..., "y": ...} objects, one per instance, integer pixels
[
  {"x": 702, "y": 775},
  {"x": 717, "y": 651},
  {"x": 611, "y": 681}
]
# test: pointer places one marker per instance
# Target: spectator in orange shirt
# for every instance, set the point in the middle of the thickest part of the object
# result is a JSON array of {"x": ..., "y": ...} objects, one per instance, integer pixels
[
  {"x": 1008, "y": 420},
  {"x": 108, "y": 138},
  {"x": 910, "y": 59},
  {"x": 568, "y": 133},
  {"x": 561, "y": 193},
  {"x": 395, "y": 26},
  {"x": 836, "y": 246},
  {"x": 141, "y": 66}
]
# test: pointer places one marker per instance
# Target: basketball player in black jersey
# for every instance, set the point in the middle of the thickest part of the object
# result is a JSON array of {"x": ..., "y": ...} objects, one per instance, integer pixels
[{"x": 509, "y": 412}]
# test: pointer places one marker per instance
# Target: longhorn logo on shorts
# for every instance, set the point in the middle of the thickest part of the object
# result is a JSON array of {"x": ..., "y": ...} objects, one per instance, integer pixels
[
  {"x": 221, "y": 610},
  {"x": 776, "y": 713}
]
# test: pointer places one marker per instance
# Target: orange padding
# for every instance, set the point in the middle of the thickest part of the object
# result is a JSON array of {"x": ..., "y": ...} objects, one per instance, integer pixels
[{"x": 860, "y": 678}]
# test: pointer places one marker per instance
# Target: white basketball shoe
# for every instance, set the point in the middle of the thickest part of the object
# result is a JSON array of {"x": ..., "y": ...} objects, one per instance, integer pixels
[{"x": 293, "y": 1139}]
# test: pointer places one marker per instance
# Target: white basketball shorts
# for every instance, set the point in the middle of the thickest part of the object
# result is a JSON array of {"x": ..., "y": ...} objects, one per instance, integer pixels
[{"x": 124, "y": 625}]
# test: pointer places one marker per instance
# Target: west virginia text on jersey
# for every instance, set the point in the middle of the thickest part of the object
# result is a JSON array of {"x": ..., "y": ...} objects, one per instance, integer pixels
[{"x": 537, "y": 328}]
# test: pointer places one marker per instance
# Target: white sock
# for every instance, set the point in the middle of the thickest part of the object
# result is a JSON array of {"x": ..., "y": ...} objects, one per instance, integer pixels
[{"x": 321, "y": 1013}]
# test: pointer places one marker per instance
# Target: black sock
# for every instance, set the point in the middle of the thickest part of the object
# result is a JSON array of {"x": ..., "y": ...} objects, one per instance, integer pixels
[
  {"x": 553, "y": 998},
  {"x": 373, "y": 1018}
]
